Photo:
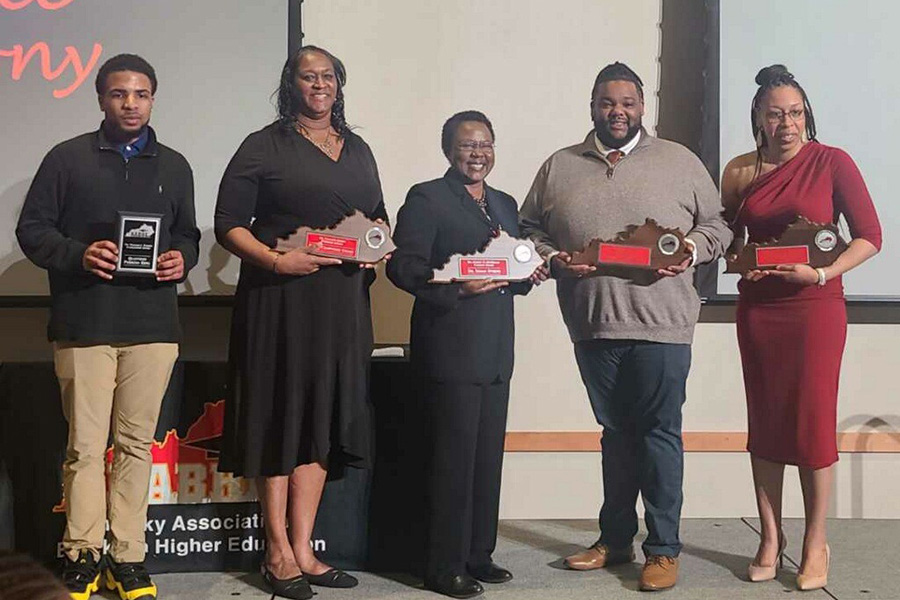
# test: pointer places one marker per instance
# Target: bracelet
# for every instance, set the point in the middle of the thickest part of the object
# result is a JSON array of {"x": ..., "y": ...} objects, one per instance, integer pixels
[
  {"x": 692, "y": 246},
  {"x": 275, "y": 263},
  {"x": 821, "y": 273}
]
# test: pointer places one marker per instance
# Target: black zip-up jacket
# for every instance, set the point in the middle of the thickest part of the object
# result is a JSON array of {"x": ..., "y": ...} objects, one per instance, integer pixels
[{"x": 74, "y": 201}]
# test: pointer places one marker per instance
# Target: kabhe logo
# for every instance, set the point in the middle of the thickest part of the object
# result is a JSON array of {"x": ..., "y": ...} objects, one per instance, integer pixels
[{"x": 144, "y": 231}]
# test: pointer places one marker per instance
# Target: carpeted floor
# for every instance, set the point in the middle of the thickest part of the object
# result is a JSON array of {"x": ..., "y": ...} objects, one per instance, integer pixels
[{"x": 713, "y": 566}]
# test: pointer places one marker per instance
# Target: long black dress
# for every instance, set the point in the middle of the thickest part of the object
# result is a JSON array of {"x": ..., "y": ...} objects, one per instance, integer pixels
[{"x": 300, "y": 345}]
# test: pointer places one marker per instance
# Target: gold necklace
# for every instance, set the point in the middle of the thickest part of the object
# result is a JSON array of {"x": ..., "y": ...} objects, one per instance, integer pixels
[
  {"x": 481, "y": 200},
  {"x": 326, "y": 145}
]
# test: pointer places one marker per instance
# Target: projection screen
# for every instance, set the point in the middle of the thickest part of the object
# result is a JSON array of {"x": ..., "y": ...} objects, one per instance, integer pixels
[
  {"x": 217, "y": 63},
  {"x": 843, "y": 53}
]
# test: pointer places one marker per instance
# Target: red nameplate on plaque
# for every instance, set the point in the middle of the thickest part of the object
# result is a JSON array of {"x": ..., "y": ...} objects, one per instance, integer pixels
[
  {"x": 804, "y": 242},
  {"x": 502, "y": 258},
  {"x": 483, "y": 267},
  {"x": 618, "y": 254},
  {"x": 783, "y": 255},
  {"x": 334, "y": 245}
]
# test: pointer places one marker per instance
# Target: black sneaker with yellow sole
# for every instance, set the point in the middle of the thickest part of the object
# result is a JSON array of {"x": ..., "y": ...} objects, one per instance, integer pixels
[
  {"x": 82, "y": 576},
  {"x": 130, "y": 580}
]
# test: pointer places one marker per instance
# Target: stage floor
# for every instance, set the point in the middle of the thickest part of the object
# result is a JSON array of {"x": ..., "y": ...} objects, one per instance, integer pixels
[{"x": 713, "y": 566}]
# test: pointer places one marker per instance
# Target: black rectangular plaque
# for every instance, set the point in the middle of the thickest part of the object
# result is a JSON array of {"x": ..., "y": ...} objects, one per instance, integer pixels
[{"x": 138, "y": 242}]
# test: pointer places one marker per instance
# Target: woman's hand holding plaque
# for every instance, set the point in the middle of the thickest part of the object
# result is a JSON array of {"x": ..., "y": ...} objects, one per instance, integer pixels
[
  {"x": 355, "y": 238},
  {"x": 504, "y": 258},
  {"x": 802, "y": 243}
]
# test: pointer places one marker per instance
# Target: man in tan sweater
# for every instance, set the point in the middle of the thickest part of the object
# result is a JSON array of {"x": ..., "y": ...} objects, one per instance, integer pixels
[{"x": 631, "y": 329}]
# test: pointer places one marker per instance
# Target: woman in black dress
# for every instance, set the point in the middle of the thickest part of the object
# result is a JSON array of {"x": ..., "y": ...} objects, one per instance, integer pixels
[
  {"x": 301, "y": 331},
  {"x": 461, "y": 346}
]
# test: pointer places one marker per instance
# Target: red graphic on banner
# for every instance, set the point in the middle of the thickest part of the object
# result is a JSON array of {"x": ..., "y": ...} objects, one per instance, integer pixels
[
  {"x": 185, "y": 471},
  {"x": 483, "y": 267},
  {"x": 785, "y": 255},
  {"x": 334, "y": 245},
  {"x": 617, "y": 254}
]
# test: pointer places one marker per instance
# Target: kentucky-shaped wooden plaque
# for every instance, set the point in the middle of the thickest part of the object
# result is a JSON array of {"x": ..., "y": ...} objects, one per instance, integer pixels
[
  {"x": 354, "y": 238},
  {"x": 504, "y": 258},
  {"x": 647, "y": 246},
  {"x": 803, "y": 242}
]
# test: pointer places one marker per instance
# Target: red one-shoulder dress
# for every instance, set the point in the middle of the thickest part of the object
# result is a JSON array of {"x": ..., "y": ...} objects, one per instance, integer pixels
[{"x": 791, "y": 337}]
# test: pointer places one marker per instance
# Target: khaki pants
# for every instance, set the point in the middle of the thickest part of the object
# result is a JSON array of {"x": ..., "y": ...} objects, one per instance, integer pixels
[{"x": 119, "y": 387}]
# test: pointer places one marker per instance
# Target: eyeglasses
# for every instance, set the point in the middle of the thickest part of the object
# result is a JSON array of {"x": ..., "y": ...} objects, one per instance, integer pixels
[
  {"x": 779, "y": 116},
  {"x": 472, "y": 146}
]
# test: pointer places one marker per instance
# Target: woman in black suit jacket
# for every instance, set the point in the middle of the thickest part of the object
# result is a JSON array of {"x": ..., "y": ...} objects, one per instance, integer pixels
[{"x": 462, "y": 352}]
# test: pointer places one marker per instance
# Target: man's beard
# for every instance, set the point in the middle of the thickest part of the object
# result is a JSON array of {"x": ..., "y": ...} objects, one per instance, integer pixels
[{"x": 609, "y": 141}]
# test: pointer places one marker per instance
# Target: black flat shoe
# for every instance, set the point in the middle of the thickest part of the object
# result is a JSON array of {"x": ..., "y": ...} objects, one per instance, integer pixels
[
  {"x": 333, "y": 578},
  {"x": 295, "y": 588},
  {"x": 455, "y": 586},
  {"x": 490, "y": 573}
]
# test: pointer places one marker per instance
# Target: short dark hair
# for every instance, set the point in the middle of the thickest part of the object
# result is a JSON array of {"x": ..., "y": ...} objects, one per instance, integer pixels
[
  {"x": 448, "y": 131},
  {"x": 617, "y": 71},
  {"x": 124, "y": 62},
  {"x": 289, "y": 97}
]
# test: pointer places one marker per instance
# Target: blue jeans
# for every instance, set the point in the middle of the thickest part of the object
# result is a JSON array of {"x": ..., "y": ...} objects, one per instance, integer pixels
[{"x": 636, "y": 389}]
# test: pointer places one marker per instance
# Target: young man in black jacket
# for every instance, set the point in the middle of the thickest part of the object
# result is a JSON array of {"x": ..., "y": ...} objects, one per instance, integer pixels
[{"x": 115, "y": 335}]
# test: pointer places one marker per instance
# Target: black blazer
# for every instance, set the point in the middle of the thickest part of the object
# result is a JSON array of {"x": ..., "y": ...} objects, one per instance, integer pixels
[{"x": 454, "y": 339}]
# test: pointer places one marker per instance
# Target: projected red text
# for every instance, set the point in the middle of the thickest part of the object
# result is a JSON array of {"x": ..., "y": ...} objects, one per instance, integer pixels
[{"x": 74, "y": 64}]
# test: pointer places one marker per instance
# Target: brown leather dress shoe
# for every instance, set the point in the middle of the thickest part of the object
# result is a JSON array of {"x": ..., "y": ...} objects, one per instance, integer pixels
[
  {"x": 659, "y": 573},
  {"x": 599, "y": 556}
]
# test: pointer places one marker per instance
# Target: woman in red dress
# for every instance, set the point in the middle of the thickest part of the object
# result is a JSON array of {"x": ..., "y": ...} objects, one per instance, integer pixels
[{"x": 791, "y": 319}]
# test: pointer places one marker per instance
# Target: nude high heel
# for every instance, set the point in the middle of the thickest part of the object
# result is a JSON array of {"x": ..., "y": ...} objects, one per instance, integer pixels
[
  {"x": 757, "y": 573},
  {"x": 815, "y": 582}
]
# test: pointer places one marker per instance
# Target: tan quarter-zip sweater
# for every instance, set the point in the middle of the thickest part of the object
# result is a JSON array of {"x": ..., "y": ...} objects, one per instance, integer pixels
[{"x": 577, "y": 196}]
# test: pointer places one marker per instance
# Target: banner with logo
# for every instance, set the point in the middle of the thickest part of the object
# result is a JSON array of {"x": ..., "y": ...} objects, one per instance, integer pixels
[{"x": 200, "y": 519}]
